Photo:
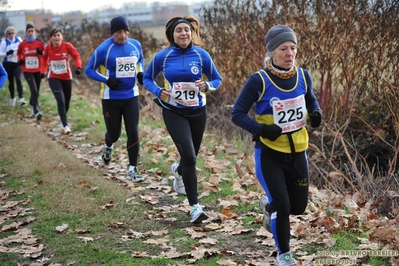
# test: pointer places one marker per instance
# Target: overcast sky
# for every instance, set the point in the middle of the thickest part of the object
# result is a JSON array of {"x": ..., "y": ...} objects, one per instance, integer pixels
[{"x": 62, "y": 6}]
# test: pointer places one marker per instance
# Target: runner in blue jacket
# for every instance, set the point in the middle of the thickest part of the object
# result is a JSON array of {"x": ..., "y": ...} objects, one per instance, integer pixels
[
  {"x": 118, "y": 63},
  {"x": 283, "y": 98},
  {"x": 3, "y": 76},
  {"x": 189, "y": 73}
]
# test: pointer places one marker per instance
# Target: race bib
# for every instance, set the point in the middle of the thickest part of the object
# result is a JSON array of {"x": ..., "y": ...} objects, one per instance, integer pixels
[
  {"x": 32, "y": 62},
  {"x": 290, "y": 114},
  {"x": 59, "y": 66},
  {"x": 184, "y": 93},
  {"x": 125, "y": 67},
  {"x": 12, "y": 58}
]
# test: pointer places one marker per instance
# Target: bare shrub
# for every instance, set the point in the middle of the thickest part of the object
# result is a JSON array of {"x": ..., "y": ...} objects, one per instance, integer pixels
[{"x": 351, "y": 49}]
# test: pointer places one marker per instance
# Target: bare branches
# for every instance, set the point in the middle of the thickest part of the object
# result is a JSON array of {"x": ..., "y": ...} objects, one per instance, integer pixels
[{"x": 351, "y": 50}]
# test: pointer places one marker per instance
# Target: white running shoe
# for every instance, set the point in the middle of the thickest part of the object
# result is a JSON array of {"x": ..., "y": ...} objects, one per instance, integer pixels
[
  {"x": 106, "y": 155},
  {"x": 134, "y": 175},
  {"x": 38, "y": 116},
  {"x": 67, "y": 130},
  {"x": 264, "y": 201},
  {"x": 178, "y": 183},
  {"x": 285, "y": 259},
  {"x": 197, "y": 214},
  {"x": 12, "y": 102},
  {"x": 22, "y": 101}
]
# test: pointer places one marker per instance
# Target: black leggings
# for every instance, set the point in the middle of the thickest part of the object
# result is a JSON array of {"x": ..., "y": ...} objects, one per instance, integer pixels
[
  {"x": 186, "y": 132},
  {"x": 129, "y": 109},
  {"x": 285, "y": 180},
  {"x": 14, "y": 72},
  {"x": 62, "y": 91},
  {"x": 33, "y": 80}
]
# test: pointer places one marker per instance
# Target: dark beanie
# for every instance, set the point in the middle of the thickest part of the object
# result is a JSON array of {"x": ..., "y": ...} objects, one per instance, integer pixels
[
  {"x": 29, "y": 26},
  {"x": 277, "y": 35},
  {"x": 119, "y": 23}
]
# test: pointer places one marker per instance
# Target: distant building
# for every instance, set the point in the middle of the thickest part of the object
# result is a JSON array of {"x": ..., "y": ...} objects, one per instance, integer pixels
[
  {"x": 73, "y": 19},
  {"x": 197, "y": 8},
  {"x": 16, "y": 19},
  {"x": 39, "y": 20},
  {"x": 155, "y": 13},
  {"x": 163, "y": 13},
  {"x": 102, "y": 15},
  {"x": 138, "y": 12}
]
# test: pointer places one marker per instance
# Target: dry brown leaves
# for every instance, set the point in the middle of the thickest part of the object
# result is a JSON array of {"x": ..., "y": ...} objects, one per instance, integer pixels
[
  {"x": 346, "y": 212},
  {"x": 21, "y": 240}
]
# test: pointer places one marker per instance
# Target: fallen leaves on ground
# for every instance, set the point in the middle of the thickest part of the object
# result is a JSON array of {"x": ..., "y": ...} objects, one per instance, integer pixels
[{"x": 315, "y": 226}]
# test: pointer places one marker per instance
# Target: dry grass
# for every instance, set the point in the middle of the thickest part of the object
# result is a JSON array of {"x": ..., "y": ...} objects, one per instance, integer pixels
[
  {"x": 157, "y": 31},
  {"x": 55, "y": 167}
]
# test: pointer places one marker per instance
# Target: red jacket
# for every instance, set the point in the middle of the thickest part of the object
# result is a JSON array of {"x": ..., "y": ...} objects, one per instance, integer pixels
[
  {"x": 33, "y": 61},
  {"x": 57, "y": 59}
]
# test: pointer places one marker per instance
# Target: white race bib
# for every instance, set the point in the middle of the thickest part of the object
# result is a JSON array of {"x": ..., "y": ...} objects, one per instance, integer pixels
[
  {"x": 32, "y": 62},
  {"x": 12, "y": 57},
  {"x": 59, "y": 66},
  {"x": 184, "y": 93},
  {"x": 125, "y": 67},
  {"x": 290, "y": 114}
]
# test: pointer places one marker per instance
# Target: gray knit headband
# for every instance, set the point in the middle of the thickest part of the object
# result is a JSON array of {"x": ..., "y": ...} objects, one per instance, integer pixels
[{"x": 277, "y": 35}]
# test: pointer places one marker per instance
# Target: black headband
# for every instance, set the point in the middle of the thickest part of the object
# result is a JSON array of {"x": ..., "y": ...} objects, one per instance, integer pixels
[{"x": 172, "y": 28}]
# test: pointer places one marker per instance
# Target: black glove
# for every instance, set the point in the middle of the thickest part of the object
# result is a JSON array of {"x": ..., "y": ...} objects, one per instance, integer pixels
[
  {"x": 21, "y": 62},
  {"x": 39, "y": 51},
  {"x": 140, "y": 77},
  {"x": 315, "y": 118},
  {"x": 77, "y": 71},
  {"x": 113, "y": 83},
  {"x": 271, "y": 132},
  {"x": 10, "y": 52},
  {"x": 42, "y": 76}
]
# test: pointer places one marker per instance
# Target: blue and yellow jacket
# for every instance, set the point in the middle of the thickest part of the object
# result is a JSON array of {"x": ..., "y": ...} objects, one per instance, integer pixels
[
  {"x": 121, "y": 61},
  {"x": 261, "y": 89}
]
